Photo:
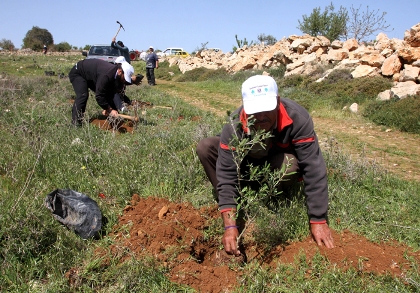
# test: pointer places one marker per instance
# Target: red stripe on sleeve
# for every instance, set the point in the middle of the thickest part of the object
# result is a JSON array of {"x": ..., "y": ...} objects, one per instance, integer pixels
[
  {"x": 225, "y": 146},
  {"x": 304, "y": 140}
]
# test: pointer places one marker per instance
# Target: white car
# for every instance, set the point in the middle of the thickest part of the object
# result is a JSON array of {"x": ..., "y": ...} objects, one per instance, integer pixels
[{"x": 169, "y": 51}]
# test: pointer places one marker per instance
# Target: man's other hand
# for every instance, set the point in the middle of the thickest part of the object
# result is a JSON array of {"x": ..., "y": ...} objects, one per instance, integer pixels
[
  {"x": 230, "y": 241},
  {"x": 322, "y": 234}
]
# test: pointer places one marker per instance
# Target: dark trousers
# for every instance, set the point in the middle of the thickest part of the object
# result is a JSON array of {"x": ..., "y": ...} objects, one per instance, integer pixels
[
  {"x": 150, "y": 74},
  {"x": 120, "y": 99},
  {"x": 207, "y": 151},
  {"x": 81, "y": 87}
]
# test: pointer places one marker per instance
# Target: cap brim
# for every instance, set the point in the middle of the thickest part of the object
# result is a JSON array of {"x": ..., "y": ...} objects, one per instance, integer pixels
[
  {"x": 256, "y": 106},
  {"x": 128, "y": 71}
]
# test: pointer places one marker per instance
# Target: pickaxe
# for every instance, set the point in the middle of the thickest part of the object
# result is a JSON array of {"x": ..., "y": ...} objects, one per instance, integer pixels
[
  {"x": 121, "y": 26},
  {"x": 132, "y": 118}
]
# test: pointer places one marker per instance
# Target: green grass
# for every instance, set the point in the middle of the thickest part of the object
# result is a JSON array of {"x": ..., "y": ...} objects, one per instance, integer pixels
[{"x": 42, "y": 152}]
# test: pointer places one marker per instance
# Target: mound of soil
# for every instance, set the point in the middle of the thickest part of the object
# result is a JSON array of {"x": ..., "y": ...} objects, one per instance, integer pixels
[
  {"x": 178, "y": 236},
  {"x": 116, "y": 125}
]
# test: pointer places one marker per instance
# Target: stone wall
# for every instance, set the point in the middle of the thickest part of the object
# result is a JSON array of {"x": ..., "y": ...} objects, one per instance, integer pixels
[{"x": 396, "y": 59}]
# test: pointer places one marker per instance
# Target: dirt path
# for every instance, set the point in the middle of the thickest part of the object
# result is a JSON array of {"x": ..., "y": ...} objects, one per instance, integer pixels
[{"x": 396, "y": 151}]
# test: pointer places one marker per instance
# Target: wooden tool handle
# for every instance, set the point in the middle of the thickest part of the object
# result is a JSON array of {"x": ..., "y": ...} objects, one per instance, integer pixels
[{"x": 132, "y": 118}]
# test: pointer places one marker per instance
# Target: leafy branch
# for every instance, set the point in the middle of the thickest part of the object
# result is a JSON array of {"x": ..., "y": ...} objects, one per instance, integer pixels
[{"x": 267, "y": 179}]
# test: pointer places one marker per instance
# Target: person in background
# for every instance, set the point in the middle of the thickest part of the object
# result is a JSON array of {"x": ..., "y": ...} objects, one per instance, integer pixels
[
  {"x": 152, "y": 62},
  {"x": 45, "y": 49},
  {"x": 104, "y": 78},
  {"x": 123, "y": 49},
  {"x": 293, "y": 143}
]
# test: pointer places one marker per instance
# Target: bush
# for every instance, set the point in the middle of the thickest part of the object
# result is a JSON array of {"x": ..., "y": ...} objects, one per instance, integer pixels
[
  {"x": 218, "y": 74},
  {"x": 165, "y": 71},
  {"x": 63, "y": 47},
  {"x": 401, "y": 114},
  {"x": 339, "y": 75},
  {"x": 277, "y": 72},
  {"x": 193, "y": 75},
  {"x": 343, "y": 90},
  {"x": 295, "y": 80},
  {"x": 7, "y": 45}
]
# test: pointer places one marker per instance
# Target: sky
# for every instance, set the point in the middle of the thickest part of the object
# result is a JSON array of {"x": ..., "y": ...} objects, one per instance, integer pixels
[{"x": 187, "y": 24}]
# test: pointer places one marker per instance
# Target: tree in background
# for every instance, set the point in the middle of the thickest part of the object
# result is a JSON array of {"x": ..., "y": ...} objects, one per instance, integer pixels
[
  {"x": 339, "y": 25},
  {"x": 241, "y": 43},
  {"x": 363, "y": 24},
  {"x": 63, "y": 47},
  {"x": 329, "y": 24},
  {"x": 268, "y": 40},
  {"x": 36, "y": 38},
  {"x": 7, "y": 45},
  {"x": 200, "y": 48}
]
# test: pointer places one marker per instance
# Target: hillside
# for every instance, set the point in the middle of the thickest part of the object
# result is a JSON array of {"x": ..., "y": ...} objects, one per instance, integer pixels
[{"x": 396, "y": 151}]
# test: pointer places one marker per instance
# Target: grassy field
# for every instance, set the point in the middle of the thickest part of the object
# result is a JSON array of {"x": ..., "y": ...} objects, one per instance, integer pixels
[{"x": 41, "y": 152}]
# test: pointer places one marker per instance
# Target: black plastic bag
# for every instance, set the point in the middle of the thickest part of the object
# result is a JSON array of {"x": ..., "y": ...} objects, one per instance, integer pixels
[{"x": 76, "y": 211}]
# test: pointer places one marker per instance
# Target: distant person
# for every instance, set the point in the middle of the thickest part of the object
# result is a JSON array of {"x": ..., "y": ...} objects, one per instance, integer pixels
[
  {"x": 123, "y": 49},
  {"x": 143, "y": 55},
  {"x": 104, "y": 78},
  {"x": 45, "y": 49},
  {"x": 152, "y": 62}
]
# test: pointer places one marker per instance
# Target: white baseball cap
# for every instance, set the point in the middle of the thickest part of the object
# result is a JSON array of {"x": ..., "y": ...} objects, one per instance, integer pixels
[
  {"x": 128, "y": 71},
  {"x": 259, "y": 94},
  {"x": 120, "y": 59}
]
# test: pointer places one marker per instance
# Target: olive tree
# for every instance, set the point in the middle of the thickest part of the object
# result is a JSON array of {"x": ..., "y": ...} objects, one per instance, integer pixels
[
  {"x": 340, "y": 25},
  {"x": 36, "y": 38},
  {"x": 329, "y": 23},
  {"x": 7, "y": 44},
  {"x": 363, "y": 24},
  {"x": 268, "y": 40}
]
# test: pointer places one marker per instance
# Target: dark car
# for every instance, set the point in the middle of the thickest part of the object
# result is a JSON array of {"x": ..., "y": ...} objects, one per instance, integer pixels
[{"x": 103, "y": 52}]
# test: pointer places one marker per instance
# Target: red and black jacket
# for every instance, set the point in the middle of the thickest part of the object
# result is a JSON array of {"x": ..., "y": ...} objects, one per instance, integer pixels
[{"x": 294, "y": 133}]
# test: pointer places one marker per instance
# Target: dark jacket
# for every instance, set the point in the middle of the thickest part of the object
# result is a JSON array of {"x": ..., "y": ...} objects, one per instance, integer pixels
[
  {"x": 123, "y": 49},
  {"x": 100, "y": 76},
  {"x": 294, "y": 133}
]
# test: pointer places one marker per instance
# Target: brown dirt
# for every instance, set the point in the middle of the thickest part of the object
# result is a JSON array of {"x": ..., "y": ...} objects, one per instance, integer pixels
[
  {"x": 116, "y": 125},
  {"x": 173, "y": 234},
  {"x": 122, "y": 125}
]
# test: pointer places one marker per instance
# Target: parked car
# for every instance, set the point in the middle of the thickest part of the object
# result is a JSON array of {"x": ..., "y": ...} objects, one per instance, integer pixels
[
  {"x": 169, "y": 51},
  {"x": 214, "y": 49},
  {"x": 103, "y": 52},
  {"x": 182, "y": 54}
]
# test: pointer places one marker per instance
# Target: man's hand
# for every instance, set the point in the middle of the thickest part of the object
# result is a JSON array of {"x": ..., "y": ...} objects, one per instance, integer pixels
[
  {"x": 230, "y": 241},
  {"x": 322, "y": 234},
  {"x": 230, "y": 238},
  {"x": 112, "y": 112},
  {"x": 137, "y": 79}
]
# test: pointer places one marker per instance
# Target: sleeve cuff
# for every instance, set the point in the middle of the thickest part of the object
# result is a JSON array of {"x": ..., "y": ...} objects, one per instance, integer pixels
[{"x": 226, "y": 208}]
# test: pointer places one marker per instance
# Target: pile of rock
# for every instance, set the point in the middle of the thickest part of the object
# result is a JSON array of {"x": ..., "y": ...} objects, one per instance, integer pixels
[{"x": 396, "y": 59}]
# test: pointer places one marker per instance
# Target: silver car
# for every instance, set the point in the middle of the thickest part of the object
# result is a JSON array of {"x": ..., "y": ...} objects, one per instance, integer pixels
[{"x": 103, "y": 52}]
